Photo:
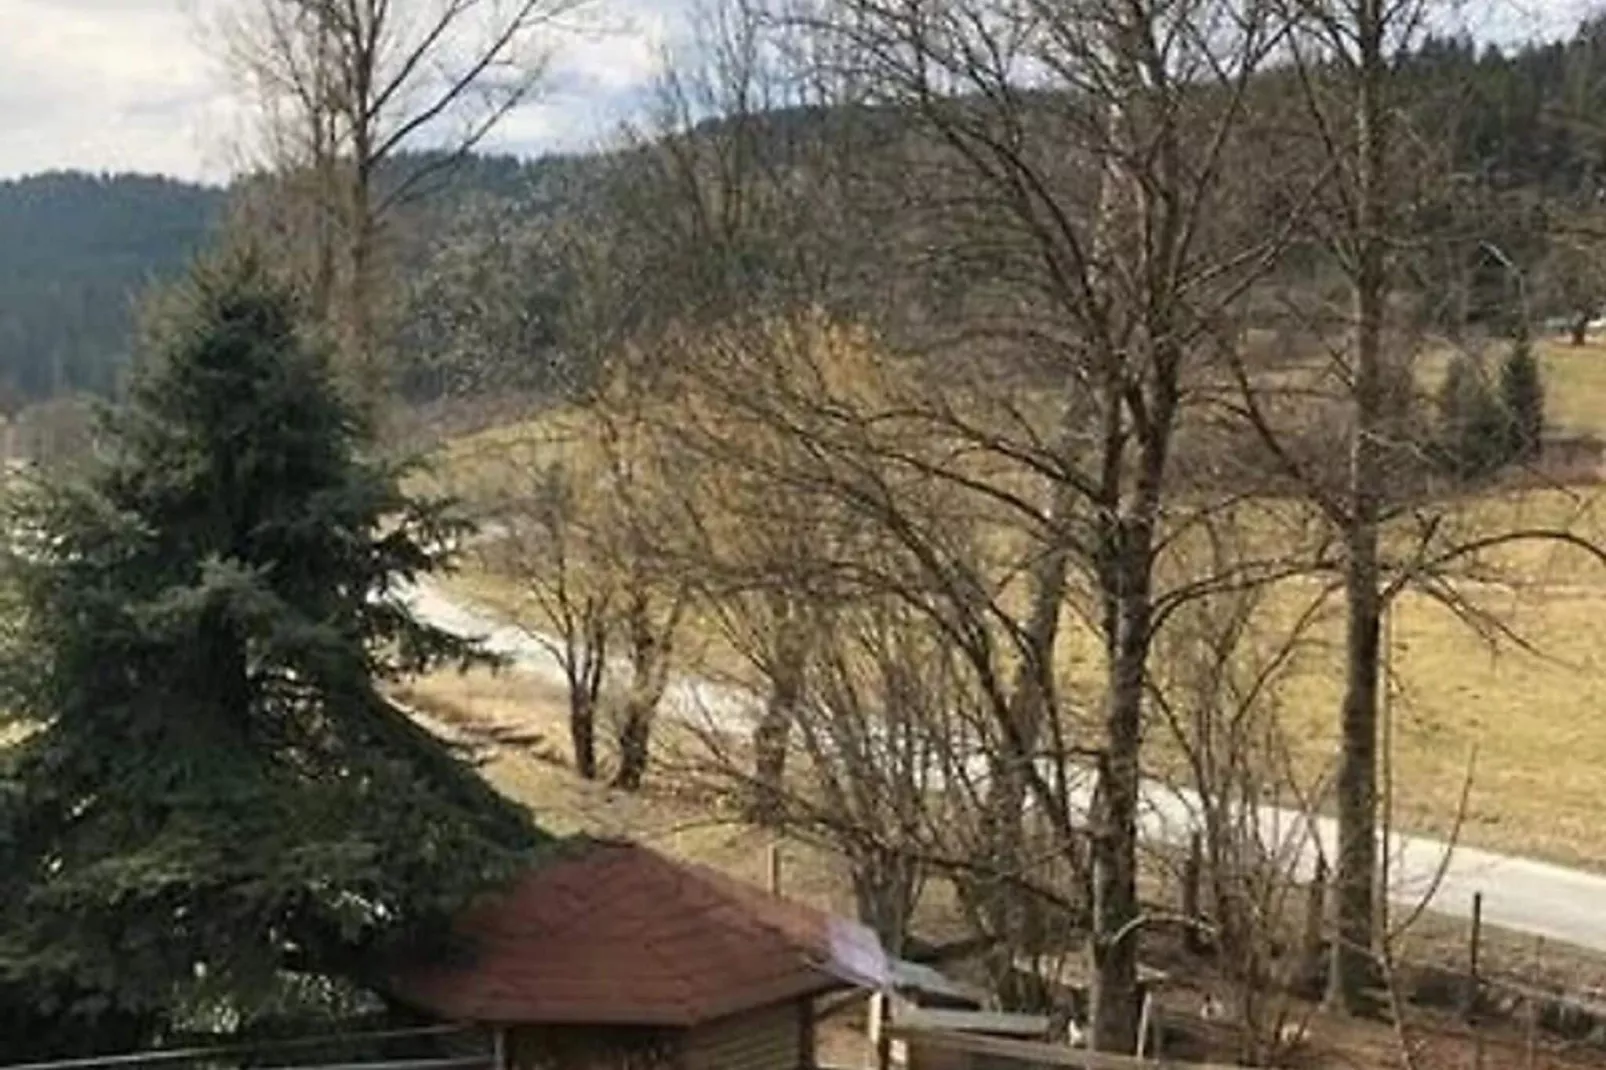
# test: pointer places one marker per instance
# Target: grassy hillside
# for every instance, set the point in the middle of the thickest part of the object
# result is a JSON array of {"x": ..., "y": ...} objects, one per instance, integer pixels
[{"x": 674, "y": 817}]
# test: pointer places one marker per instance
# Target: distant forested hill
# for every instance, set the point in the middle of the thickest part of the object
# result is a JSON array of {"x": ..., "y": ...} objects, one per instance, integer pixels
[
  {"x": 1523, "y": 130},
  {"x": 76, "y": 250}
]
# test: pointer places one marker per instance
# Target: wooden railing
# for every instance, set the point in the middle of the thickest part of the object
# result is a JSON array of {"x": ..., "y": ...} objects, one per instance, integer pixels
[{"x": 1032, "y": 1055}]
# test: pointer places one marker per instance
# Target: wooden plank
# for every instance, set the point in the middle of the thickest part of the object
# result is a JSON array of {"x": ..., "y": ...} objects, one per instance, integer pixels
[
  {"x": 751, "y": 1041},
  {"x": 1070, "y": 971},
  {"x": 1040, "y": 1054},
  {"x": 943, "y": 1020}
]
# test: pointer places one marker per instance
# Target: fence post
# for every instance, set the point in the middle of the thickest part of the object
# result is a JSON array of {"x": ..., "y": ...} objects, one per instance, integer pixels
[
  {"x": 1533, "y": 1002},
  {"x": 1314, "y": 964},
  {"x": 880, "y": 1019},
  {"x": 1192, "y": 877},
  {"x": 1475, "y": 943}
]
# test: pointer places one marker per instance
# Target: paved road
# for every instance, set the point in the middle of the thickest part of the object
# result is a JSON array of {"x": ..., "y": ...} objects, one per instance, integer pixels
[{"x": 1519, "y": 894}]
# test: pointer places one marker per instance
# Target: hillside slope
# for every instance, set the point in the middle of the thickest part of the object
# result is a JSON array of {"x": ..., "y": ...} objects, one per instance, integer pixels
[{"x": 76, "y": 250}]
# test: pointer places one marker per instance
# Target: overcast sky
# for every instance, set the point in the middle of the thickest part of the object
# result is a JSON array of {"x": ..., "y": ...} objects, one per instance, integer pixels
[{"x": 135, "y": 85}]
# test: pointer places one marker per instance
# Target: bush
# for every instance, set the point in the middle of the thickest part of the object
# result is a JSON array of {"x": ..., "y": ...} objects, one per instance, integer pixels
[
  {"x": 1473, "y": 436},
  {"x": 1484, "y": 427}
]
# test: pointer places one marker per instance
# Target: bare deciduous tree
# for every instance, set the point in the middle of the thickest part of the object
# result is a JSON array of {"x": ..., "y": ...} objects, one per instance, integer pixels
[
  {"x": 1360, "y": 454},
  {"x": 574, "y": 510},
  {"x": 637, "y": 475},
  {"x": 1367, "y": 265},
  {"x": 347, "y": 89},
  {"x": 1078, "y": 157},
  {"x": 1219, "y": 670},
  {"x": 736, "y": 219},
  {"x": 541, "y": 540},
  {"x": 1341, "y": 54},
  {"x": 1572, "y": 278}
]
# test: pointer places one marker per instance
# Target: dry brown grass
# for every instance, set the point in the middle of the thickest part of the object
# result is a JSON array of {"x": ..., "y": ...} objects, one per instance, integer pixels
[
  {"x": 1524, "y": 725},
  {"x": 1524, "y": 705},
  {"x": 1575, "y": 384},
  {"x": 1532, "y": 719},
  {"x": 470, "y": 463},
  {"x": 671, "y": 815}
]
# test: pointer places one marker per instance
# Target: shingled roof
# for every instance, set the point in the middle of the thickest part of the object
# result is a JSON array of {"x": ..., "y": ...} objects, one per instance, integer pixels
[{"x": 614, "y": 933}]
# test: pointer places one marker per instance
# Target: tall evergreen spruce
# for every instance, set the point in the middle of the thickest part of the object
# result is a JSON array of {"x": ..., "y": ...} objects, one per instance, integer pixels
[
  {"x": 1522, "y": 395},
  {"x": 213, "y": 792}
]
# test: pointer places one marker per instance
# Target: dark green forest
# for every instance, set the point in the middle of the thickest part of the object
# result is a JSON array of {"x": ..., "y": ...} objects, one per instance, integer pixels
[{"x": 76, "y": 251}]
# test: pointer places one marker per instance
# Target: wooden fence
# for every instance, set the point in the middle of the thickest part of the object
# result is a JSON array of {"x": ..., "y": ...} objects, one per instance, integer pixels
[{"x": 941, "y": 1050}]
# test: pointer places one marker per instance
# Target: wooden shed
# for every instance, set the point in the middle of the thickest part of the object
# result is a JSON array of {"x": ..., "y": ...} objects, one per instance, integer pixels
[{"x": 614, "y": 957}]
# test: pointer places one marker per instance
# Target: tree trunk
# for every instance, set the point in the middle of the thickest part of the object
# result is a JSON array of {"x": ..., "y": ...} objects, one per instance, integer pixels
[
  {"x": 649, "y": 676},
  {"x": 1006, "y": 912},
  {"x": 771, "y": 737},
  {"x": 773, "y": 733},
  {"x": 583, "y": 731},
  {"x": 1311, "y": 960},
  {"x": 1190, "y": 899},
  {"x": 359, "y": 314},
  {"x": 990, "y": 894},
  {"x": 1578, "y": 333},
  {"x": 885, "y": 887},
  {"x": 324, "y": 202},
  {"x": 1115, "y": 996},
  {"x": 635, "y": 735},
  {"x": 1355, "y": 875},
  {"x": 1357, "y": 781}
]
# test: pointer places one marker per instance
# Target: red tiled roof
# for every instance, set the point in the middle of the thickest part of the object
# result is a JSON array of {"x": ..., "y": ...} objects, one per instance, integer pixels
[{"x": 618, "y": 934}]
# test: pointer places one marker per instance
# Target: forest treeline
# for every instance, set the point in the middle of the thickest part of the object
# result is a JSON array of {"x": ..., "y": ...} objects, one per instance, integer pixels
[{"x": 77, "y": 250}]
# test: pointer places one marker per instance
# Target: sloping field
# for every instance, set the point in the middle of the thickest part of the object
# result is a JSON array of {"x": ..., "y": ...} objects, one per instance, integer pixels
[{"x": 1518, "y": 724}]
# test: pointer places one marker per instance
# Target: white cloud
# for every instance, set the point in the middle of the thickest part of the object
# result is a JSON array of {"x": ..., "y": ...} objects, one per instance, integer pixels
[
  {"x": 99, "y": 84},
  {"x": 138, "y": 85},
  {"x": 597, "y": 76}
]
